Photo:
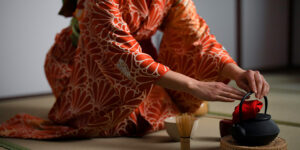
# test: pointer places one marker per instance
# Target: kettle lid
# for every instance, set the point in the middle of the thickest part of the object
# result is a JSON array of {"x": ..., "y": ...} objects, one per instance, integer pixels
[{"x": 262, "y": 117}]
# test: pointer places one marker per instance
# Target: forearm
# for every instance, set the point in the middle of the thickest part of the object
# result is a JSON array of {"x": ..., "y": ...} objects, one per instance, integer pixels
[
  {"x": 180, "y": 82},
  {"x": 176, "y": 81}
]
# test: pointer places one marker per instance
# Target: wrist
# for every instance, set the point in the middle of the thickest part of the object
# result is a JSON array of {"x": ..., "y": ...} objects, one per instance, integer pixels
[
  {"x": 232, "y": 71},
  {"x": 189, "y": 86},
  {"x": 177, "y": 81},
  {"x": 192, "y": 85}
]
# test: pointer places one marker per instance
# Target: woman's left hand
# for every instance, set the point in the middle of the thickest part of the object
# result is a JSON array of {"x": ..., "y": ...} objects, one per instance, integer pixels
[
  {"x": 247, "y": 80},
  {"x": 253, "y": 81}
]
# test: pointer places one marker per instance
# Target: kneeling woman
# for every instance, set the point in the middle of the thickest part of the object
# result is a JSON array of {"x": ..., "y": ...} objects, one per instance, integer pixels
[{"x": 108, "y": 79}]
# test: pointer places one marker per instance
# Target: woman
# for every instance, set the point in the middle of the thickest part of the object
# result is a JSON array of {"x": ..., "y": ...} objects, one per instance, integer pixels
[{"x": 109, "y": 81}]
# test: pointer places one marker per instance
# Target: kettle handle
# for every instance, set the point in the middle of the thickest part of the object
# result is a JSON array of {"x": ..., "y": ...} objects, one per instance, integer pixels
[{"x": 244, "y": 98}]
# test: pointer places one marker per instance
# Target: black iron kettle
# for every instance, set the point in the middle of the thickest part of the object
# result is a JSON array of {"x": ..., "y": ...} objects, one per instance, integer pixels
[{"x": 258, "y": 131}]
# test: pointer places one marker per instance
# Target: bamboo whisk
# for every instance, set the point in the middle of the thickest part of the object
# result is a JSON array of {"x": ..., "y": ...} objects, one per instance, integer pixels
[{"x": 185, "y": 124}]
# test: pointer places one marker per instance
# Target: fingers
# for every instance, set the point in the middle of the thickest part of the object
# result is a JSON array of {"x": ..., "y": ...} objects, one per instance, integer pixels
[
  {"x": 234, "y": 91},
  {"x": 229, "y": 94},
  {"x": 224, "y": 99},
  {"x": 265, "y": 89},
  {"x": 251, "y": 80},
  {"x": 261, "y": 92},
  {"x": 257, "y": 83}
]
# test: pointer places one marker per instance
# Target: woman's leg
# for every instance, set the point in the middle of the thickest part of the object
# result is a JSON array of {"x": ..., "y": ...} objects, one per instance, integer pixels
[
  {"x": 59, "y": 61},
  {"x": 157, "y": 107}
]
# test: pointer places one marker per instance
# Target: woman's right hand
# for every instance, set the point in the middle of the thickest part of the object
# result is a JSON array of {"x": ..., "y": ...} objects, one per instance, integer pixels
[
  {"x": 210, "y": 91},
  {"x": 215, "y": 91}
]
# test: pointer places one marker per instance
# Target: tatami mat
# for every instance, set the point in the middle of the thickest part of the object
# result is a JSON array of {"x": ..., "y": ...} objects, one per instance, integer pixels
[
  {"x": 284, "y": 104},
  {"x": 206, "y": 138}
]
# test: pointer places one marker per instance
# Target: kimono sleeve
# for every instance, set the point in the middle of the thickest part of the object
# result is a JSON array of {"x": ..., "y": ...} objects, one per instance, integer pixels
[
  {"x": 187, "y": 40},
  {"x": 105, "y": 26}
]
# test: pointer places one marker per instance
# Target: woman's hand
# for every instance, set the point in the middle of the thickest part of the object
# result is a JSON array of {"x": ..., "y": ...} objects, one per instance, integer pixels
[
  {"x": 215, "y": 91},
  {"x": 210, "y": 91},
  {"x": 248, "y": 80},
  {"x": 253, "y": 81}
]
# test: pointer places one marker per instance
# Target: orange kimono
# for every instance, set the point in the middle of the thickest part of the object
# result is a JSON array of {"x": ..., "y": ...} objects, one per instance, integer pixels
[{"x": 104, "y": 86}]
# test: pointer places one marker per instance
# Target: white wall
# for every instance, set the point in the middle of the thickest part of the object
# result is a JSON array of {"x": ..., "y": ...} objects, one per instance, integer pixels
[
  {"x": 264, "y": 33},
  {"x": 27, "y": 32},
  {"x": 296, "y": 30},
  {"x": 221, "y": 17}
]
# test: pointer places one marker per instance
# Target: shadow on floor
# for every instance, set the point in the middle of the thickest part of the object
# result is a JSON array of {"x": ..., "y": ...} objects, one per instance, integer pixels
[
  {"x": 158, "y": 139},
  {"x": 207, "y": 139}
]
